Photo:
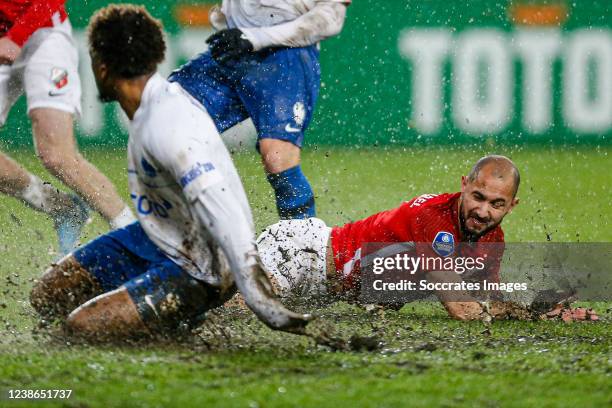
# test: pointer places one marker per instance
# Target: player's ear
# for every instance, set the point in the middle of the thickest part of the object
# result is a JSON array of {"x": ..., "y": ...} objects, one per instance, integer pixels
[
  {"x": 99, "y": 69},
  {"x": 464, "y": 183},
  {"x": 513, "y": 204},
  {"x": 103, "y": 71}
]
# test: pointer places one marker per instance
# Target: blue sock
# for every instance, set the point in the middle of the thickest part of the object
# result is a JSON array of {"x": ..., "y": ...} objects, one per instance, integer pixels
[{"x": 294, "y": 196}]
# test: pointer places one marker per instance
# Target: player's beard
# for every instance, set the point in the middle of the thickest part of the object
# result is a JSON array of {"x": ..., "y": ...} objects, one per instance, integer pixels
[
  {"x": 105, "y": 98},
  {"x": 470, "y": 235}
]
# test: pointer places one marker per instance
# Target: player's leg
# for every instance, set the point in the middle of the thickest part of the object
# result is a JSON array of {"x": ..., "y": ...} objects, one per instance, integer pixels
[
  {"x": 294, "y": 253},
  {"x": 102, "y": 265},
  {"x": 212, "y": 85},
  {"x": 161, "y": 301},
  {"x": 53, "y": 91},
  {"x": 16, "y": 181},
  {"x": 62, "y": 288},
  {"x": 281, "y": 161},
  {"x": 280, "y": 92},
  {"x": 110, "y": 316},
  {"x": 56, "y": 147}
]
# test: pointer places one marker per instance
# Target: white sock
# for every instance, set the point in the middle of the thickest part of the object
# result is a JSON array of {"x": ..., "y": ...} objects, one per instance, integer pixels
[
  {"x": 43, "y": 196},
  {"x": 124, "y": 218}
]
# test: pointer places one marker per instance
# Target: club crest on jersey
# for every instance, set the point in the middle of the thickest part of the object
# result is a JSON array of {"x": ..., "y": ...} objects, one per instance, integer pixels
[
  {"x": 444, "y": 243},
  {"x": 59, "y": 77},
  {"x": 148, "y": 168}
]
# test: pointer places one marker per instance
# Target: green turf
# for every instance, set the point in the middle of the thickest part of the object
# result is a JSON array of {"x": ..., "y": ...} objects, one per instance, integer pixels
[{"x": 426, "y": 359}]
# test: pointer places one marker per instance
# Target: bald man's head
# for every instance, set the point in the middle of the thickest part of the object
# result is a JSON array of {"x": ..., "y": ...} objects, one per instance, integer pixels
[
  {"x": 499, "y": 167},
  {"x": 488, "y": 193}
]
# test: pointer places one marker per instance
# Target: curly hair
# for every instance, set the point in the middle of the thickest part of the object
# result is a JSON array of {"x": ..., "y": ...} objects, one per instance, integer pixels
[{"x": 127, "y": 39}]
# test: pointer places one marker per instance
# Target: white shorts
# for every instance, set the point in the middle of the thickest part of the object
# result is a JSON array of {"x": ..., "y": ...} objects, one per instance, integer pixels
[
  {"x": 294, "y": 253},
  {"x": 47, "y": 70}
]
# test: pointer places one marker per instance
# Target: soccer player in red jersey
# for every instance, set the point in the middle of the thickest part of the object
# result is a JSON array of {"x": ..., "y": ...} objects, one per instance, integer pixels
[
  {"x": 306, "y": 257},
  {"x": 38, "y": 56}
]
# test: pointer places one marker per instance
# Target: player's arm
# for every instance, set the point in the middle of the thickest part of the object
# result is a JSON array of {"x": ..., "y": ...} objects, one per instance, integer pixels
[
  {"x": 467, "y": 308},
  {"x": 218, "y": 209},
  {"x": 195, "y": 168},
  {"x": 36, "y": 16},
  {"x": 324, "y": 20},
  {"x": 461, "y": 305}
]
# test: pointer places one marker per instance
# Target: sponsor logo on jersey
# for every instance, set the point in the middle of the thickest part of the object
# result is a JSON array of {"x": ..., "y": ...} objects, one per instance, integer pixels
[
  {"x": 444, "y": 243},
  {"x": 146, "y": 205},
  {"x": 196, "y": 171},
  {"x": 59, "y": 77}
]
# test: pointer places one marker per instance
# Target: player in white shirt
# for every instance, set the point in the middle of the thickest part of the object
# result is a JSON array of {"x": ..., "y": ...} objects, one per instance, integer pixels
[
  {"x": 263, "y": 63},
  {"x": 193, "y": 245}
]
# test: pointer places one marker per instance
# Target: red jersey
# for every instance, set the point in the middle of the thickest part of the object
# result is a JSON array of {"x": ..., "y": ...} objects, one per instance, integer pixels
[
  {"x": 429, "y": 218},
  {"x": 19, "y": 19}
]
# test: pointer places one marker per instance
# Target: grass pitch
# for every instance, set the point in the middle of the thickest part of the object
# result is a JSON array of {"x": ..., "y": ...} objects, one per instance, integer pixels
[{"x": 425, "y": 359}]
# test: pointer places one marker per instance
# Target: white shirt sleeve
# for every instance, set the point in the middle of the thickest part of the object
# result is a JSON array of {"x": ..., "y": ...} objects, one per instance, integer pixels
[
  {"x": 220, "y": 213},
  {"x": 324, "y": 20}
]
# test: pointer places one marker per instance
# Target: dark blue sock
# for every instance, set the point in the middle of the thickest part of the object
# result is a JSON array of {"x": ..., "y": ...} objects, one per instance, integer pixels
[{"x": 294, "y": 197}]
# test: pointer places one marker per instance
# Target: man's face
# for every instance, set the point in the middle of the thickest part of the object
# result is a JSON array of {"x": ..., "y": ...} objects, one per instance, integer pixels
[
  {"x": 485, "y": 202},
  {"x": 106, "y": 88}
]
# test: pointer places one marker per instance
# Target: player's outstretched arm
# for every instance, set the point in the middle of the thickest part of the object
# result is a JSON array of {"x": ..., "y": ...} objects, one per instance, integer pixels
[
  {"x": 220, "y": 212},
  {"x": 561, "y": 311},
  {"x": 471, "y": 309},
  {"x": 468, "y": 308}
]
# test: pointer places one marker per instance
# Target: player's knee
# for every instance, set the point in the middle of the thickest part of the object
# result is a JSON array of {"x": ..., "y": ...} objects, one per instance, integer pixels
[
  {"x": 274, "y": 164},
  {"x": 61, "y": 288},
  {"x": 43, "y": 296},
  {"x": 278, "y": 155},
  {"x": 38, "y": 297}
]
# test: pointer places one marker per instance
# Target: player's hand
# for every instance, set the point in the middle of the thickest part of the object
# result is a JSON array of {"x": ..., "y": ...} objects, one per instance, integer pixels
[
  {"x": 9, "y": 51},
  {"x": 259, "y": 296},
  {"x": 464, "y": 310},
  {"x": 569, "y": 314},
  {"x": 228, "y": 44}
]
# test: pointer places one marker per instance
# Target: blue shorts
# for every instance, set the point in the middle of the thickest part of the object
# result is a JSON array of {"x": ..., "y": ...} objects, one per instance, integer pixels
[
  {"x": 276, "y": 87},
  {"x": 166, "y": 296}
]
